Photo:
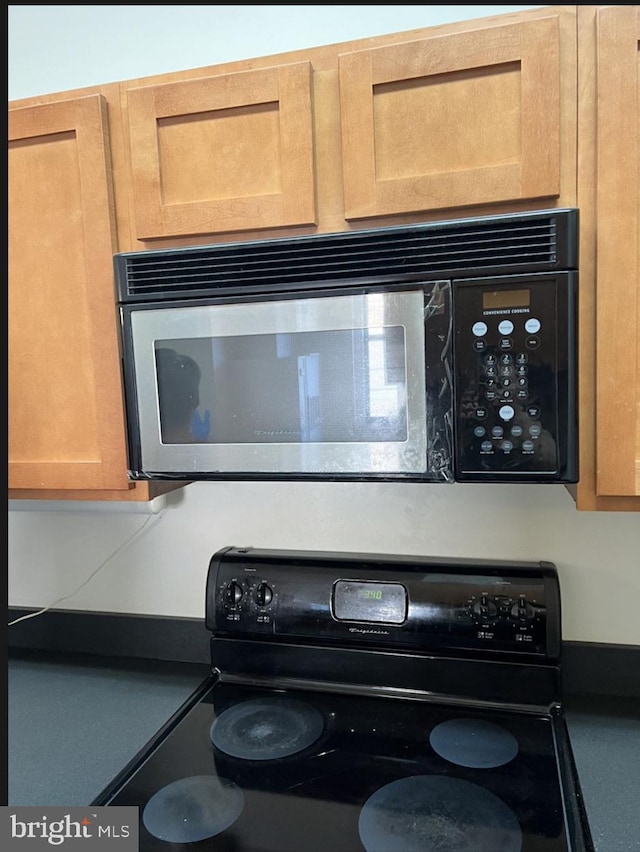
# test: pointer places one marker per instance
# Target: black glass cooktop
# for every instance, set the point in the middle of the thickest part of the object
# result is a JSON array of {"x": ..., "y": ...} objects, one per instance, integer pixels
[{"x": 252, "y": 769}]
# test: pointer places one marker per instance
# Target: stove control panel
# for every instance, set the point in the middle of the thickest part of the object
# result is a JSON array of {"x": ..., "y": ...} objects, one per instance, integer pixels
[{"x": 489, "y": 606}]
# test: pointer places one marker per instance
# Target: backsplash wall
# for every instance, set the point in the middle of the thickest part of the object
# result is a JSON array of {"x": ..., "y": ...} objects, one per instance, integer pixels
[{"x": 163, "y": 569}]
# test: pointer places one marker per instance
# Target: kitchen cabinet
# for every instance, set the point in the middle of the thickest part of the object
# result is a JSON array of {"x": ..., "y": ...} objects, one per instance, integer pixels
[
  {"x": 66, "y": 421},
  {"x": 609, "y": 199},
  {"x": 456, "y": 120},
  {"x": 223, "y": 153},
  {"x": 461, "y": 119}
]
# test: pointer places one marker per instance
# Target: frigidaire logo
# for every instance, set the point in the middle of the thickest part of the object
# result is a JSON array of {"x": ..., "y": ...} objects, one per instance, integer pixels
[
  {"x": 27, "y": 828},
  {"x": 368, "y": 630}
]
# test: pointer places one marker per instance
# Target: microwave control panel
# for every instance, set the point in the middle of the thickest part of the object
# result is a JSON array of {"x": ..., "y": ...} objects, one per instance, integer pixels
[{"x": 514, "y": 361}]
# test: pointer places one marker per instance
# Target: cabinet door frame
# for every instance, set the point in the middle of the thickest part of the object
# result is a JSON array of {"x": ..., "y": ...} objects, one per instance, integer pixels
[
  {"x": 618, "y": 252},
  {"x": 531, "y": 46},
  {"x": 288, "y": 88},
  {"x": 83, "y": 122}
]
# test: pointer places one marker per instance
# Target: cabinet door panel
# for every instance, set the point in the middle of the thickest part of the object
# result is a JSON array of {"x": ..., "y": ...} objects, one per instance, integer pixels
[
  {"x": 232, "y": 152},
  {"x": 453, "y": 120},
  {"x": 618, "y": 252},
  {"x": 66, "y": 427}
]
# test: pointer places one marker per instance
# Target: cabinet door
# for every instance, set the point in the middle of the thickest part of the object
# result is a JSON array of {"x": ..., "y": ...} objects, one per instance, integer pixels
[
  {"x": 453, "y": 120},
  {"x": 66, "y": 424},
  {"x": 232, "y": 152},
  {"x": 618, "y": 251}
]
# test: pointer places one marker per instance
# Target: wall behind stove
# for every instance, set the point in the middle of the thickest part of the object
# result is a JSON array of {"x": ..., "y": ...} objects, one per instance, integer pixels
[{"x": 111, "y": 561}]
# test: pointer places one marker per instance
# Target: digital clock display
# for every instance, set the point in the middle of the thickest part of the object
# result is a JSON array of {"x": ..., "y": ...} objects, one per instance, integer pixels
[
  {"x": 378, "y": 603},
  {"x": 372, "y": 594},
  {"x": 492, "y": 299}
]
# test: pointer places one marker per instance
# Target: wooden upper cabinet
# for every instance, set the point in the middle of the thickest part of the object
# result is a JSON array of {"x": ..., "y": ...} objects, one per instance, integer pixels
[
  {"x": 232, "y": 152},
  {"x": 453, "y": 120},
  {"x": 618, "y": 251},
  {"x": 66, "y": 425}
]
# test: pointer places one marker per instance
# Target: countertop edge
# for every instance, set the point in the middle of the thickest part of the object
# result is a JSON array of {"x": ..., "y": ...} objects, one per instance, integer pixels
[{"x": 588, "y": 668}]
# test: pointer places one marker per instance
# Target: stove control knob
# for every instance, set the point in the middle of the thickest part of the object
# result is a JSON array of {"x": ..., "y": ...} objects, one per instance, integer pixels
[
  {"x": 234, "y": 592},
  {"x": 522, "y": 610},
  {"x": 264, "y": 594},
  {"x": 484, "y": 608}
]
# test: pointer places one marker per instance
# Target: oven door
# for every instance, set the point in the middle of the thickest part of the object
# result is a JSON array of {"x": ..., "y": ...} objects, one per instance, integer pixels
[{"x": 322, "y": 386}]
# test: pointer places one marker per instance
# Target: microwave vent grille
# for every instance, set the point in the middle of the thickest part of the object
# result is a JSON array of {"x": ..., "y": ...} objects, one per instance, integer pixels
[{"x": 513, "y": 243}]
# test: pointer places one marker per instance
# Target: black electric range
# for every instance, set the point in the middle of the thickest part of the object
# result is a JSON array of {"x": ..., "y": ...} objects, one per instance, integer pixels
[{"x": 368, "y": 703}]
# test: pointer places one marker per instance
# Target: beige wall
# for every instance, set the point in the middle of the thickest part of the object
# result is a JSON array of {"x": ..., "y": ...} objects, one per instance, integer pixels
[{"x": 163, "y": 571}]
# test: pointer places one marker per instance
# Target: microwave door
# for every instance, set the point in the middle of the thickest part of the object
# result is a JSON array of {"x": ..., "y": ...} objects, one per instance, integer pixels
[{"x": 321, "y": 385}]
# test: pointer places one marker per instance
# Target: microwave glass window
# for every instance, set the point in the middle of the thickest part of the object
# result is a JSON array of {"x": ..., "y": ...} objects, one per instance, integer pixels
[
  {"x": 492, "y": 299},
  {"x": 336, "y": 385}
]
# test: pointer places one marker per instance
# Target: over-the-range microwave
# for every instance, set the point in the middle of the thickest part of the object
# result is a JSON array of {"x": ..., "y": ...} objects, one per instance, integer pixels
[{"x": 433, "y": 352}]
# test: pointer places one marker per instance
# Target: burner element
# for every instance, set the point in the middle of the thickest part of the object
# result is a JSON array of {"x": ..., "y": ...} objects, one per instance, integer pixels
[
  {"x": 437, "y": 812},
  {"x": 474, "y": 743},
  {"x": 266, "y": 728},
  {"x": 193, "y": 808}
]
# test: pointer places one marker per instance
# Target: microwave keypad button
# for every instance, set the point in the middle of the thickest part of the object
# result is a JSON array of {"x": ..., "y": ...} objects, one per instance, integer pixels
[
  {"x": 533, "y": 411},
  {"x": 506, "y": 327},
  {"x": 490, "y": 372},
  {"x": 479, "y": 431},
  {"x": 479, "y": 329},
  {"x": 506, "y": 446},
  {"x": 532, "y": 325},
  {"x": 490, "y": 382},
  {"x": 527, "y": 446},
  {"x": 506, "y": 412},
  {"x": 490, "y": 394},
  {"x": 506, "y": 360},
  {"x": 486, "y": 447},
  {"x": 522, "y": 394},
  {"x": 532, "y": 342},
  {"x": 479, "y": 344},
  {"x": 505, "y": 343},
  {"x": 506, "y": 371},
  {"x": 506, "y": 383},
  {"x": 506, "y": 395},
  {"x": 490, "y": 359},
  {"x": 521, "y": 370},
  {"x": 481, "y": 413},
  {"x": 522, "y": 381},
  {"x": 522, "y": 358},
  {"x": 516, "y": 431},
  {"x": 497, "y": 432},
  {"x": 535, "y": 430}
]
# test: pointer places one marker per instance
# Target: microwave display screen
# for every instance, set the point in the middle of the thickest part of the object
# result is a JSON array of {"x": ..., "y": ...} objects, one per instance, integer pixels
[
  {"x": 505, "y": 299},
  {"x": 335, "y": 385}
]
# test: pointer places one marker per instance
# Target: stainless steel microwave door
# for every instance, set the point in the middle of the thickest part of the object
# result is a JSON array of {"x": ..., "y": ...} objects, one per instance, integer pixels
[{"x": 331, "y": 384}]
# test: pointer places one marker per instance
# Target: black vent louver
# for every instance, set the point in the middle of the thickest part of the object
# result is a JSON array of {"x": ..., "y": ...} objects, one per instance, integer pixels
[{"x": 540, "y": 241}]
